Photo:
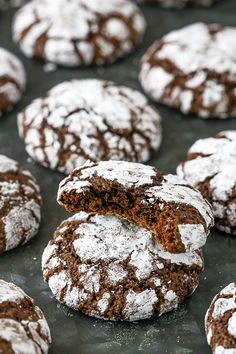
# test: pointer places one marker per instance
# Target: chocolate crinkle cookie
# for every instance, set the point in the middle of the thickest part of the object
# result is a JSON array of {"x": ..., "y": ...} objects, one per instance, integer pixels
[
  {"x": 93, "y": 120},
  {"x": 19, "y": 205},
  {"x": 12, "y": 80},
  {"x": 109, "y": 260},
  {"x": 210, "y": 166},
  {"x": 220, "y": 322},
  {"x": 23, "y": 327},
  {"x": 176, "y": 214},
  {"x": 193, "y": 69},
  {"x": 78, "y": 32},
  {"x": 179, "y": 3}
]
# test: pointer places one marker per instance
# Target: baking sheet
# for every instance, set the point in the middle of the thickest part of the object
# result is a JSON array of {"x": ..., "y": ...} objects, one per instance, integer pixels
[{"x": 179, "y": 332}]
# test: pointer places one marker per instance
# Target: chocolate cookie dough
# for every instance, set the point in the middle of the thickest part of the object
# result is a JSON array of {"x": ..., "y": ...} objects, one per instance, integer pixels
[
  {"x": 94, "y": 120},
  {"x": 210, "y": 166},
  {"x": 19, "y": 205},
  {"x": 112, "y": 269},
  {"x": 12, "y": 80},
  {"x": 176, "y": 214},
  {"x": 220, "y": 322},
  {"x": 193, "y": 69},
  {"x": 78, "y": 32},
  {"x": 23, "y": 327}
]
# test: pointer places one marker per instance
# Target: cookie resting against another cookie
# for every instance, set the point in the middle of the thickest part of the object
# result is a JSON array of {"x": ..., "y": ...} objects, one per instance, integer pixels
[
  {"x": 145, "y": 197},
  {"x": 12, "y": 80},
  {"x": 210, "y": 166},
  {"x": 78, "y": 32},
  {"x": 23, "y": 327},
  {"x": 82, "y": 120},
  {"x": 193, "y": 69},
  {"x": 179, "y": 3},
  {"x": 220, "y": 321},
  {"x": 19, "y": 205},
  {"x": 108, "y": 266}
]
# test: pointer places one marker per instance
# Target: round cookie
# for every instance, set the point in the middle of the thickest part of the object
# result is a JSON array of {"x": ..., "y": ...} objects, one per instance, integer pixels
[
  {"x": 12, "y": 80},
  {"x": 176, "y": 214},
  {"x": 210, "y": 166},
  {"x": 193, "y": 69},
  {"x": 179, "y": 3},
  {"x": 220, "y": 322},
  {"x": 94, "y": 32},
  {"x": 93, "y": 120},
  {"x": 23, "y": 327},
  {"x": 19, "y": 205},
  {"x": 112, "y": 269}
]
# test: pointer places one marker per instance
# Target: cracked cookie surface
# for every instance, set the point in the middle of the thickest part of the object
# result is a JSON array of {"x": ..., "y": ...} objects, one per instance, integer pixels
[
  {"x": 19, "y": 205},
  {"x": 93, "y": 120},
  {"x": 12, "y": 80},
  {"x": 94, "y": 32},
  {"x": 194, "y": 69},
  {"x": 23, "y": 327},
  {"x": 210, "y": 166},
  {"x": 112, "y": 269},
  {"x": 176, "y": 214},
  {"x": 220, "y": 321}
]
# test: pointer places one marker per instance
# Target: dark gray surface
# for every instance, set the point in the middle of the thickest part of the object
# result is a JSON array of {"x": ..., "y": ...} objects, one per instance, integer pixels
[{"x": 179, "y": 332}]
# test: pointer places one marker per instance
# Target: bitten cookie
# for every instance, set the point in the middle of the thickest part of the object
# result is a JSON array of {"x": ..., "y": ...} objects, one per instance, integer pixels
[
  {"x": 210, "y": 166},
  {"x": 89, "y": 119},
  {"x": 19, "y": 205},
  {"x": 23, "y": 327},
  {"x": 78, "y": 32},
  {"x": 176, "y": 214},
  {"x": 12, "y": 80},
  {"x": 179, "y": 3},
  {"x": 194, "y": 69},
  {"x": 112, "y": 269},
  {"x": 220, "y": 322}
]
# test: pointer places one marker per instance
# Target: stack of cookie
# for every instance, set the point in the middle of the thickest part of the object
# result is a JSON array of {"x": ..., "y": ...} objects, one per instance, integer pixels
[{"x": 134, "y": 248}]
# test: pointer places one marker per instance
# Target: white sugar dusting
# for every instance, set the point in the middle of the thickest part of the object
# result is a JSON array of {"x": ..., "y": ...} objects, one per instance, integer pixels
[
  {"x": 232, "y": 325},
  {"x": 21, "y": 211},
  {"x": 7, "y": 165},
  {"x": 25, "y": 336},
  {"x": 86, "y": 110},
  {"x": 193, "y": 51},
  {"x": 10, "y": 292},
  {"x": 219, "y": 165},
  {"x": 222, "y": 350},
  {"x": 13, "y": 69},
  {"x": 127, "y": 174},
  {"x": 121, "y": 245},
  {"x": 140, "y": 304},
  {"x": 222, "y": 304},
  {"x": 80, "y": 21}
]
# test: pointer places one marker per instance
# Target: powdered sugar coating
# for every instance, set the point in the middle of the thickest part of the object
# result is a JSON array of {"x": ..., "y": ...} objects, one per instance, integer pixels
[
  {"x": 12, "y": 80},
  {"x": 214, "y": 166},
  {"x": 179, "y": 3},
  {"x": 103, "y": 254},
  {"x": 194, "y": 69},
  {"x": 221, "y": 318},
  {"x": 94, "y": 32},
  {"x": 19, "y": 205},
  {"x": 132, "y": 176},
  {"x": 89, "y": 119},
  {"x": 30, "y": 335}
]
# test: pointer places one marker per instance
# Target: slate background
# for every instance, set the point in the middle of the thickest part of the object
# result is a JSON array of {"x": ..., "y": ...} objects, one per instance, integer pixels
[{"x": 181, "y": 331}]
